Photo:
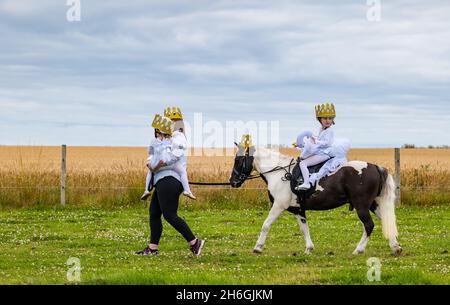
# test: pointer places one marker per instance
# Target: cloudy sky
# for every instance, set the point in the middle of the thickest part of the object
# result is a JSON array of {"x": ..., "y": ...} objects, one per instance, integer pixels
[{"x": 99, "y": 81}]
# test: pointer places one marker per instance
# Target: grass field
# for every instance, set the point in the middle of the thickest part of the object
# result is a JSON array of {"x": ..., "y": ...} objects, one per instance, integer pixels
[{"x": 36, "y": 243}]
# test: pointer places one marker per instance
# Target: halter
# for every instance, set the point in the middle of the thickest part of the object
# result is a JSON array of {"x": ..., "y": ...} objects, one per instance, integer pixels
[{"x": 242, "y": 176}]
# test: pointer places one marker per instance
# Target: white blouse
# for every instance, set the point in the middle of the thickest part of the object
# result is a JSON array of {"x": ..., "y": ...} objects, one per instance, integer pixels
[{"x": 324, "y": 141}]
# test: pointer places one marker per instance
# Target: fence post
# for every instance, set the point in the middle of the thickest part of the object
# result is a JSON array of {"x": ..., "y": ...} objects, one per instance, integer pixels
[
  {"x": 397, "y": 176},
  {"x": 63, "y": 174}
]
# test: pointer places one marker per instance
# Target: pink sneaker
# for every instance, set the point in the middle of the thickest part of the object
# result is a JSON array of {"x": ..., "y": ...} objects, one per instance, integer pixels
[{"x": 196, "y": 248}]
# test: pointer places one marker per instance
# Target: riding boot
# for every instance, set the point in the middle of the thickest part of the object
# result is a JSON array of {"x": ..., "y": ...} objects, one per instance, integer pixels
[{"x": 303, "y": 187}]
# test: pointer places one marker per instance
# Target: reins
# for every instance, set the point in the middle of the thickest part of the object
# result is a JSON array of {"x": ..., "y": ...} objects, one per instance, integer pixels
[
  {"x": 209, "y": 183},
  {"x": 287, "y": 176}
]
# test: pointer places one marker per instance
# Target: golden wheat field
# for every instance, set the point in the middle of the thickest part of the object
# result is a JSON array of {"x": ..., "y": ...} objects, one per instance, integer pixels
[
  {"x": 30, "y": 174},
  {"x": 120, "y": 158}
]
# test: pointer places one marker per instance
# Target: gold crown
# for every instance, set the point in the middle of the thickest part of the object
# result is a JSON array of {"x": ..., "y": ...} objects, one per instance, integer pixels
[
  {"x": 246, "y": 141},
  {"x": 173, "y": 113},
  {"x": 164, "y": 125},
  {"x": 325, "y": 110}
]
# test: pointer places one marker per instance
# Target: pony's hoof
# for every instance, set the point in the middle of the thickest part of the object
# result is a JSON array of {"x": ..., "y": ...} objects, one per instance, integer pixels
[
  {"x": 257, "y": 251},
  {"x": 358, "y": 252},
  {"x": 309, "y": 250},
  {"x": 397, "y": 251}
]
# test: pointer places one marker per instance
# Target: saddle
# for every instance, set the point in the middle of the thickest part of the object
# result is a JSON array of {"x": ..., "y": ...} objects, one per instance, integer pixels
[{"x": 297, "y": 179}]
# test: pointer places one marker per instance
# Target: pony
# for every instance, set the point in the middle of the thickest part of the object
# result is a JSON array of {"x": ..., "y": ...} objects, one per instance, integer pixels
[{"x": 366, "y": 187}]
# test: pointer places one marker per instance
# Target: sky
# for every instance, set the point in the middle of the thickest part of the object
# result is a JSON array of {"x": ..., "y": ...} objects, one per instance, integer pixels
[{"x": 100, "y": 80}]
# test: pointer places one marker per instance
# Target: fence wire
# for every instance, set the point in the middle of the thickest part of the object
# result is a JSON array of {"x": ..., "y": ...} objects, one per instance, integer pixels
[{"x": 196, "y": 187}]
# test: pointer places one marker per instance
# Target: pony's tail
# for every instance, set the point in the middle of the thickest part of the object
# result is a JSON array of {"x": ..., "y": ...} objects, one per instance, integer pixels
[{"x": 386, "y": 204}]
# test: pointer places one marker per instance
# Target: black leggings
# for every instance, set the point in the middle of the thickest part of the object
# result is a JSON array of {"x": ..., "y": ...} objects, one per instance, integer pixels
[{"x": 165, "y": 202}]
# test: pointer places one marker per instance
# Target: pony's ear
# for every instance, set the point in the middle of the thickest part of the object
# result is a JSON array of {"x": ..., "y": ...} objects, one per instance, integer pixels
[
  {"x": 241, "y": 151},
  {"x": 251, "y": 151}
]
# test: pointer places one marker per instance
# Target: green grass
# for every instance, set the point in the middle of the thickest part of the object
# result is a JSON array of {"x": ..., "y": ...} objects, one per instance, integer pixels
[{"x": 36, "y": 243}]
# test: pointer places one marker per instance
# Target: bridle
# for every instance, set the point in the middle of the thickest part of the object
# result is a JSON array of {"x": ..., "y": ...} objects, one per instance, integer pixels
[{"x": 242, "y": 176}]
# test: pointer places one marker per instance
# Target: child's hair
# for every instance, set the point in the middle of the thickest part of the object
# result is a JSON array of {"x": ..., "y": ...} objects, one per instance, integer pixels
[
  {"x": 333, "y": 118},
  {"x": 159, "y": 133}
]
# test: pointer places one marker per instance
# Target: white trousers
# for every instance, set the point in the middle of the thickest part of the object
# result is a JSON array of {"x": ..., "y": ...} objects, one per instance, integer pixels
[
  {"x": 181, "y": 170},
  {"x": 313, "y": 160},
  {"x": 147, "y": 180}
]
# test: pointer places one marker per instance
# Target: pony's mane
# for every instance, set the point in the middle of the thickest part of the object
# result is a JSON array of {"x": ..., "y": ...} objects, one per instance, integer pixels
[{"x": 274, "y": 153}]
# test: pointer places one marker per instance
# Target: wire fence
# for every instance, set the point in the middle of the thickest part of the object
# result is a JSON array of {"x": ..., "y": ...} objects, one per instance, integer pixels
[
  {"x": 44, "y": 187},
  {"x": 65, "y": 185}
]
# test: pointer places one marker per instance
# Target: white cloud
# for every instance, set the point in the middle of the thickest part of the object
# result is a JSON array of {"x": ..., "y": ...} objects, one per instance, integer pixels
[
  {"x": 23, "y": 7},
  {"x": 232, "y": 60}
]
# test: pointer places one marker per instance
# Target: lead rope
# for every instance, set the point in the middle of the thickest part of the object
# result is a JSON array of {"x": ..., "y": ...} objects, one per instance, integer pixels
[{"x": 287, "y": 176}]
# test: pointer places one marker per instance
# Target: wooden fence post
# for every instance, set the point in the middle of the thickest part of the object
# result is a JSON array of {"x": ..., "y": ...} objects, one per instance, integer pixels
[
  {"x": 397, "y": 176},
  {"x": 63, "y": 174}
]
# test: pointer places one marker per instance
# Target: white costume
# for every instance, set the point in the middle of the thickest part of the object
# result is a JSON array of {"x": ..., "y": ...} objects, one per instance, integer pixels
[
  {"x": 318, "y": 152},
  {"x": 172, "y": 153},
  {"x": 326, "y": 147},
  {"x": 339, "y": 152},
  {"x": 155, "y": 154},
  {"x": 178, "y": 154}
]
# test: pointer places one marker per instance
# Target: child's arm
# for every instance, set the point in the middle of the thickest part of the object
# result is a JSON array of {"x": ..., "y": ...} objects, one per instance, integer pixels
[
  {"x": 168, "y": 158},
  {"x": 326, "y": 140},
  {"x": 150, "y": 152},
  {"x": 174, "y": 153},
  {"x": 178, "y": 148},
  {"x": 179, "y": 142},
  {"x": 151, "y": 148},
  {"x": 172, "y": 158}
]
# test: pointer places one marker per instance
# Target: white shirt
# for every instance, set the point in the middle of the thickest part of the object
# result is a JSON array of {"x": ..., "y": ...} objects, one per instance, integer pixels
[
  {"x": 177, "y": 154},
  {"x": 325, "y": 141},
  {"x": 161, "y": 150}
]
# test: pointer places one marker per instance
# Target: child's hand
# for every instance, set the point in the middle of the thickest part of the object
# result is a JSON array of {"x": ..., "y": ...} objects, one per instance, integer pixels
[{"x": 158, "y": 166}]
